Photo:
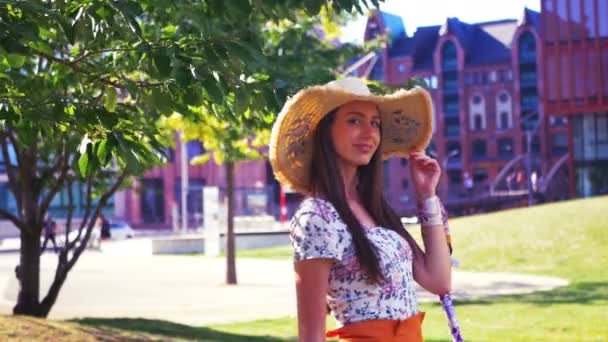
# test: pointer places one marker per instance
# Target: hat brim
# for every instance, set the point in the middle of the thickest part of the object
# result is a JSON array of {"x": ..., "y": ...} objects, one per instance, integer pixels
[{"x": 406, "y": 116}]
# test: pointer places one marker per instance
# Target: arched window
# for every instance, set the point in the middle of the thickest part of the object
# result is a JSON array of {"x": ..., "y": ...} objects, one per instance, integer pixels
[
  {"x": 504, "y": 116},
  {"x": 477, "y": 122},
  {"x": 504, "y": 120},
  {"x": 477, "y": 112}
]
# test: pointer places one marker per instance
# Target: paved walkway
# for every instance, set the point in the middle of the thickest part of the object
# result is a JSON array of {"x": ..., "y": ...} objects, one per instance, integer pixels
[{"x": 125, "y": 280}]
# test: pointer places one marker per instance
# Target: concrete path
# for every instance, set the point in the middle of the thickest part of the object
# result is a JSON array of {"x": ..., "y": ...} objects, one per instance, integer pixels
[{"x": 125, "y": 280}]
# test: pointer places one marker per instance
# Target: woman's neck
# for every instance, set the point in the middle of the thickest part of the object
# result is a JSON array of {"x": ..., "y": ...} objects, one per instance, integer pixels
[{"x": 349, "y": 177}]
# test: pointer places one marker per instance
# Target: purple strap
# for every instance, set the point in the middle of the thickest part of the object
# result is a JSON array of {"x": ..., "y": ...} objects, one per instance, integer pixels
[
  {"x": 448, "y": 308},
  {"x": 446, "y": 300}
]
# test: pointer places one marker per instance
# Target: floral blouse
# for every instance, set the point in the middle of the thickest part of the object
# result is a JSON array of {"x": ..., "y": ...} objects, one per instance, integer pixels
[{"x": 318, "y": 232}]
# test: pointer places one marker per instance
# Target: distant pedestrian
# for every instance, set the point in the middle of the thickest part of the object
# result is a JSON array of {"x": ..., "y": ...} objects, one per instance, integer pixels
[
  {"x": 105, "y": 228},
  {"x": 50, "y": 231}
]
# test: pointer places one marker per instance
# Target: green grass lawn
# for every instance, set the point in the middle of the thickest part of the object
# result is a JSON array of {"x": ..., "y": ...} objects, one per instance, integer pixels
[{"x": 567, "y": 239}]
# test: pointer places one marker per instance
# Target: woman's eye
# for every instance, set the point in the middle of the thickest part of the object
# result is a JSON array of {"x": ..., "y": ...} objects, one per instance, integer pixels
[
  {"x": 354, "y": 121},
  {"x": 376, "y": 124}
]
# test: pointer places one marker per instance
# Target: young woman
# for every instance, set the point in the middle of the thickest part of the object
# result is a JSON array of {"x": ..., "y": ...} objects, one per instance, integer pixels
[{"x": 351, "y": 253}]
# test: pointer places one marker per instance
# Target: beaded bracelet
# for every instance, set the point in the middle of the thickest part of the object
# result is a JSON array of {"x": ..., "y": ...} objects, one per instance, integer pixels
[{"x": 431, "y": 212}]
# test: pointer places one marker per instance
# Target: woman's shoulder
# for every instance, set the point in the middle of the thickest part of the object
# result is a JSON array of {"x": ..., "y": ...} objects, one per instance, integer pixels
[
  {"x": 313, "y": 204},
  {"x": 317, "y": 207}
]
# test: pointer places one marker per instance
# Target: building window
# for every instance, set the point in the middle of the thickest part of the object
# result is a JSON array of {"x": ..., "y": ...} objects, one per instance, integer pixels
[
  {"x": 450, "y": 87},
  {"x": 477, "y": 122},
  {"x": 527, "y": 48},
  {"x": 452, "y": 127},
  {"x": 449, "y": 56},
  {"x": 152, "y": 201},
  {"x": 404, "y": 184},
  {"x": 468, "y": 78},
  {"x": 559, "y": 144},
  {"x": 484, "y": 77},
  {"x": 503, "y": 97},
  {"x": 476, "y": 99},
  {"x": 433, "y": 82},
  {"x": 535, "y": 144},
  {"x": 501, "y": 75},
  {"x": 480, "y": 175},
  {"x": 403, "y": 162},
  {"x": 504, "y": 120},
  {"x": 479, "y": 149},
  {"x": 558, "y": 120},
  {"x": 505, "y": 147},
  {"x": 455, "y": 177},
  {"x": 401, "y": 68},
  {"x": 452, "y": 149},
  {"x": 492, "y": 76}
]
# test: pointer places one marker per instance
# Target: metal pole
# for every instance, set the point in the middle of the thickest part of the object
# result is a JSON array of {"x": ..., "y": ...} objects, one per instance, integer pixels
[
  {"x": 529, "y": 167},
  {"x": 184, "y": 171}
]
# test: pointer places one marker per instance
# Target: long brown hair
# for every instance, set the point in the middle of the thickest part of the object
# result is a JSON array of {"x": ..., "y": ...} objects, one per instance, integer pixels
[{"x": 326, "y": 182}]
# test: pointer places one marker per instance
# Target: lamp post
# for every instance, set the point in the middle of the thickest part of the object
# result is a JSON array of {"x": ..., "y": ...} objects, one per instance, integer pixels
[
  {"x": 529, "y": 134},
  {"x": 444, "y": 163}
]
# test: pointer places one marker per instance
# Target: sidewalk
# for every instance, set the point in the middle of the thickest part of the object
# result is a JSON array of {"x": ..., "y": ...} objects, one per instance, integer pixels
[{"x": 125, "y": 280}]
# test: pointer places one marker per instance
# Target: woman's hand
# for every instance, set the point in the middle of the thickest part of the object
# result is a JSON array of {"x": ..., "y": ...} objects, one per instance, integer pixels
[{"x": 425, "y": 173}]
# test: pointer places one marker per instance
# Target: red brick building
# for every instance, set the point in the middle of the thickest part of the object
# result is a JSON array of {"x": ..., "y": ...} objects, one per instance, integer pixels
[
  {"x": 483, "y": 77},
  {"x": 575, "y": 50}
]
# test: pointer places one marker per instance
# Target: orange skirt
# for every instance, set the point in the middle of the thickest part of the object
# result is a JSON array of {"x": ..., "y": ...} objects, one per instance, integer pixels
[{"x": 381, "y": 330}]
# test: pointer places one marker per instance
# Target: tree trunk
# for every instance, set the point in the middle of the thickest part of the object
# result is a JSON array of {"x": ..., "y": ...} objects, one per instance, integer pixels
[
  {"x": 230, "y": 252},
  {"x": 28, "y": 274}
]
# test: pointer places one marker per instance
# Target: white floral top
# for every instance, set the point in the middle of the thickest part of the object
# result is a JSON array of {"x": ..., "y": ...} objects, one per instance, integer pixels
[{"x": 318, "y": 232}]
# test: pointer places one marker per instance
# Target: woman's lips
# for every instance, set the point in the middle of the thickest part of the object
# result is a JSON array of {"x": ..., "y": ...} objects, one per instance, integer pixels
[{"x": 364, "y": 148}]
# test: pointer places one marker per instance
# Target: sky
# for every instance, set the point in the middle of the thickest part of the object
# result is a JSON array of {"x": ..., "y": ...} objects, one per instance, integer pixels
[{"x": 434, "y": 12}]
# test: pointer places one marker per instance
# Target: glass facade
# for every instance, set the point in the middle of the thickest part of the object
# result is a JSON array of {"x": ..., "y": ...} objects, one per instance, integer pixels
[
  {"x": 451, "y": 104},
  {"x": 590, "y": 145},
  {"x": 528, "y": 74}
]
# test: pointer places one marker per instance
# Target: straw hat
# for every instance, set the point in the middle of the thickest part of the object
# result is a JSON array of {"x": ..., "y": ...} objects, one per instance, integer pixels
[{"x": 406, "y": 117}]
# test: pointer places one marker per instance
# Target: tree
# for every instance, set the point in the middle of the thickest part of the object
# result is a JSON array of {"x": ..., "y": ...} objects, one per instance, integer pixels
[
  {"x": 296, "y": 54},
  {"x": 83, "y": 83}
]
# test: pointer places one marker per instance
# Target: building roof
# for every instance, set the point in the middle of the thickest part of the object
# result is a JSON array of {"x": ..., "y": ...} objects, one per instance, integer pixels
[
  {"x": 501, "y": 30},
  {"x": 394, "y": 23},
  {"x": 530, "y": 17},
  {"x": 424, "y": 42},
  {"x": 483, "y": 43}
]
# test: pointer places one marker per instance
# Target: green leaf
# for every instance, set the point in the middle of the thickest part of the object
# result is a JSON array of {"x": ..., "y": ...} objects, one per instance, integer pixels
[
  {"x": 83, "y": 162},
  {"x": 15, "y": 60},
  {"x": 162, "y": 63},
  {"x": 104, "y": 151},
  {"x": 213, "y": 89},
  {"x": 110, "y": 99},
  {"x": 193, "y": 96}
]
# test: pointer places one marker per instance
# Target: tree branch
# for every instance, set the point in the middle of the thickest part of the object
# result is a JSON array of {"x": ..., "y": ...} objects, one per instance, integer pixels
[
  {"x": 92, "y": 53},
  {"x": 10, "y": 169},
  {"x": 102, "y": 203},
  {"x": 56, "y": 186},
  {"x": 85, "y": 217},
  {"x": 68, "y": 224},
  {"x": 12, "y": 218},
  {"x": 76, "y": 68}
]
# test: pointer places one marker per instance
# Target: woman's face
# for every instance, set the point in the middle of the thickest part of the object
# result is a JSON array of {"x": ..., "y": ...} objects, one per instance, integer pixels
[{"x": 356, "y": 132}]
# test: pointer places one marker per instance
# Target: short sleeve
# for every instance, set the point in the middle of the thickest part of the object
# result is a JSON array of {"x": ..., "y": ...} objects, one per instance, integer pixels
[{"x": 317, "y": 232}]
